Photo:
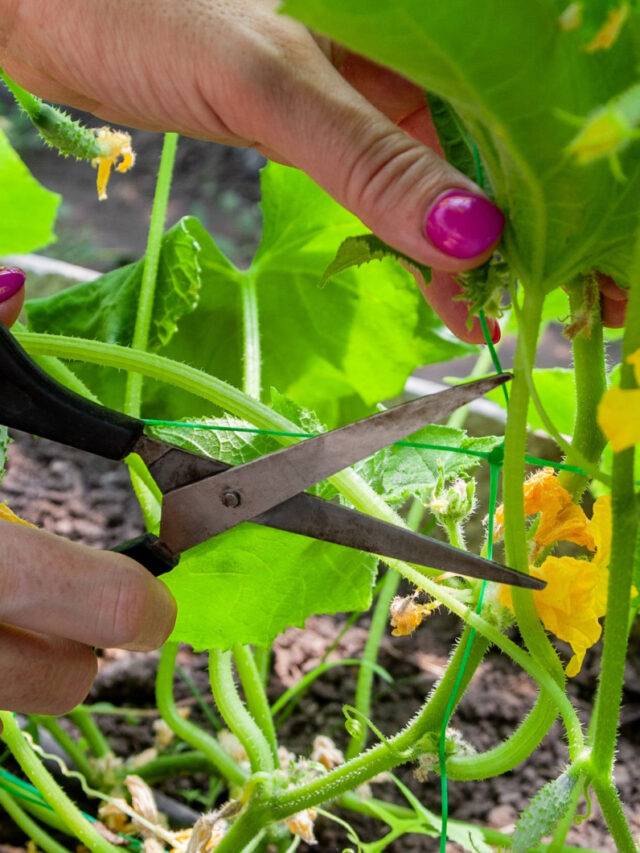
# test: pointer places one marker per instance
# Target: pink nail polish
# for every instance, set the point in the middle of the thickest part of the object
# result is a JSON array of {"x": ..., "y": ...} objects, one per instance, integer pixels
[
  {"x": 462, "y": 224},
  {"x": 11, "y": 280}
]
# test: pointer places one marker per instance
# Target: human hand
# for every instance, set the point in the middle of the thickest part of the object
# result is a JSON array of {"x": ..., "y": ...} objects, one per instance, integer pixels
[
  {"x": 235, "y": 72},
  {"x": 58, "y": 600}
]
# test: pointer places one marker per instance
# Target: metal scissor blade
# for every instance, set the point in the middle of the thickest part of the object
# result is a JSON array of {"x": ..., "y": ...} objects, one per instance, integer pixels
[
  {"x": 330, "y": 522},
  {"x": 196, "y": 512}
]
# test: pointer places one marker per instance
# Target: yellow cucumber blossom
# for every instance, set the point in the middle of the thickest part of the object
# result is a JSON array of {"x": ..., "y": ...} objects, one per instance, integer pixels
[
  {"x": 575, "y": 598},
  {"x": 117, "y": 151},
  {"x": 560, "y": 518},
  {"x": 619, "y": 412},
  {"x": 301, "y": 824}
]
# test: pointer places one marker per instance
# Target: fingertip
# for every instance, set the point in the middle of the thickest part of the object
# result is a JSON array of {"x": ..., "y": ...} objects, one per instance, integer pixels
[
  {"x": 464, "y": 225},
  {"x": 12, "y": 294}
]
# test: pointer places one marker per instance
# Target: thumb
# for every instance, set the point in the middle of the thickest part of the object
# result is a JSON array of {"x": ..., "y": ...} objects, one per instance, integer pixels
[
  {"x": 403, "y": 191},
  {"x": 11, "y": 294}
]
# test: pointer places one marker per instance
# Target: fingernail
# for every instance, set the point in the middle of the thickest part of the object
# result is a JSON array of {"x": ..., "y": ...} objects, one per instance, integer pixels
[
  {"x": 462, "y": 224},
  {"x": 494, "y": 330},
  {"x": 11, "y": 280}
]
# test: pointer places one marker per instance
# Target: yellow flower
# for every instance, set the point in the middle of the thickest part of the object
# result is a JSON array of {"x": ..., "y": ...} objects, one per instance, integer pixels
[
  {"x": 619, "y": 412},
  {"x": 575, "y": 598},
  {"x": 560, "y": 518},
  {"x": 116, "y": 146}
]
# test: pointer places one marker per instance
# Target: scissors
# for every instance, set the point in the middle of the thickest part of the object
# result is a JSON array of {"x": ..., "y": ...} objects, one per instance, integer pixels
[{"x": 203, "y": 497}]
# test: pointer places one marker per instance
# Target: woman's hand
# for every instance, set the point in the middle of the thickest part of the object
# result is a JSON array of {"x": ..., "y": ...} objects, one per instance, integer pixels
[
  {"x": 58, "y": 600},
  {"x": 236, "y": 72}
]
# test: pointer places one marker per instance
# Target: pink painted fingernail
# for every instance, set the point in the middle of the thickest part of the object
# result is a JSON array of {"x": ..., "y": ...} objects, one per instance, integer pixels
[
  {"x": 462, "y": 224},
  {"x": 11, "y": 280}
]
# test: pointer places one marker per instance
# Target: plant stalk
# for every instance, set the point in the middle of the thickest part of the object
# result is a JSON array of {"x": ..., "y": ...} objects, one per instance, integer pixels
[
  {"x": 133, "y": 392},
  {"x": 235, "y": 714},
  {"x": 189, "y": 732},
  {"x": 255, "y": 695},
  {"x": 48, "y": 787}
]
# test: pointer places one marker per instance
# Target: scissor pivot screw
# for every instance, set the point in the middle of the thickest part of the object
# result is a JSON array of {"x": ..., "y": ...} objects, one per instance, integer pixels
[{"x": 231, "y": 498}]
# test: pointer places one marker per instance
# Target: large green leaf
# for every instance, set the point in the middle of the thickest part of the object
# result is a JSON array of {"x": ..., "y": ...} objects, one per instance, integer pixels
[
  {"x": 28, "y": 209},
  {"x": 401, "y": 471},
  {"x": 514, "y": 73},
  {"x": 250, "y": 583},
  {"x": 336, "y": 350},
  {"x": 106, "y": 309}
]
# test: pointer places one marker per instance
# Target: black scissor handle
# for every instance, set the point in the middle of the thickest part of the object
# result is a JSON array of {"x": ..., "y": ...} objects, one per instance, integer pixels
[
  {"x": 149, "y": 551},
  {"x": 33, "y": 402}
]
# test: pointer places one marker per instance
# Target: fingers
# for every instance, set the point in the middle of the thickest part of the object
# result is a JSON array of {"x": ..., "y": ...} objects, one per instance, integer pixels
[
  {"x": 41, "y": 674},
  {"x": 443, "y": 294},
  {"x": 613, "y": 302},
  {"x": 97, "y": 598},
  {"x": 403, "y": 191},
  {"x": 11, "y": 294}
]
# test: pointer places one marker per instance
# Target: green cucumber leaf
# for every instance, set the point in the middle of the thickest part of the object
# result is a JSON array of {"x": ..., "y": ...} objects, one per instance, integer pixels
[
  {"x": 106, "y": 309},
  {"x": 336, "y": 350},
  {"x": 252, "y": 582},
  {"x": 28, "y": 209},
  {"x": 515, "y": 76},
  {"x": 399, "y": 472},
  {"x": 556, "y": 389},
  {"x": 363, "y": 249},
  {"x": 542, "y": 814},
  {"x": 235, "y": 441}
]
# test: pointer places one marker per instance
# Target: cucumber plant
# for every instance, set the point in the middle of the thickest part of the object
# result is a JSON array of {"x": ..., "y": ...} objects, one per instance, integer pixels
[{"x": 539, "y": 101}]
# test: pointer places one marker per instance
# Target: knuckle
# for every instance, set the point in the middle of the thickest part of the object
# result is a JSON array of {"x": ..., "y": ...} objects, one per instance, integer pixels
[
  {"x": 124, "y": 605},
  {"x": 386, "y": 169}
]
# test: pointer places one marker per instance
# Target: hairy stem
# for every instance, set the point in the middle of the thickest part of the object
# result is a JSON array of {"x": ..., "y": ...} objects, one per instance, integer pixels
[
  {"x": 252, "y": 375},
  {"x": 90, "y": 731},
  {"x": 235, "y": 715},
  {"x": 254, "y": 692},
  {"x": 514, "y": 452},
  {"x": 48, "y": 787},
  {"x": 133, "y": 392},
  {"x": 591, "y": 382},
  {"x": 186, "y": 730},
  {"x": 30, "y": 828}
]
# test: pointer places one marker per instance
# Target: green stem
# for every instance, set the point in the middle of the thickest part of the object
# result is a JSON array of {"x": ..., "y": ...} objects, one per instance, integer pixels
[
  {"x": 189, "y": 732},
  {"x": 379, "y": 622},
  {"x": 89, "y": 729},
  {"x": 262, "y": 657},
  {"x": 68, "y": 744},
  {"x": 204, "y": 706},
  {"x": 50, "y": 790},
  {"x": 170, "y": 766},
  {"x": 614, "y": 815},
  {"x": 252, "y": 377},
  {"x": 30, "y": 828},
  {"x": 364, "y": 684},
  {"x": 234, "y": 713},
  {"x": 591, "y": 383},
  {"x": 480, "y": 368},
  {"x": 255, "y": 695},
  {"x": 516, "y": 749},
  {"x": 144, "y": 315},
  {"x": 514, "y": 452},
  {"x": 624, "y": 511}
]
